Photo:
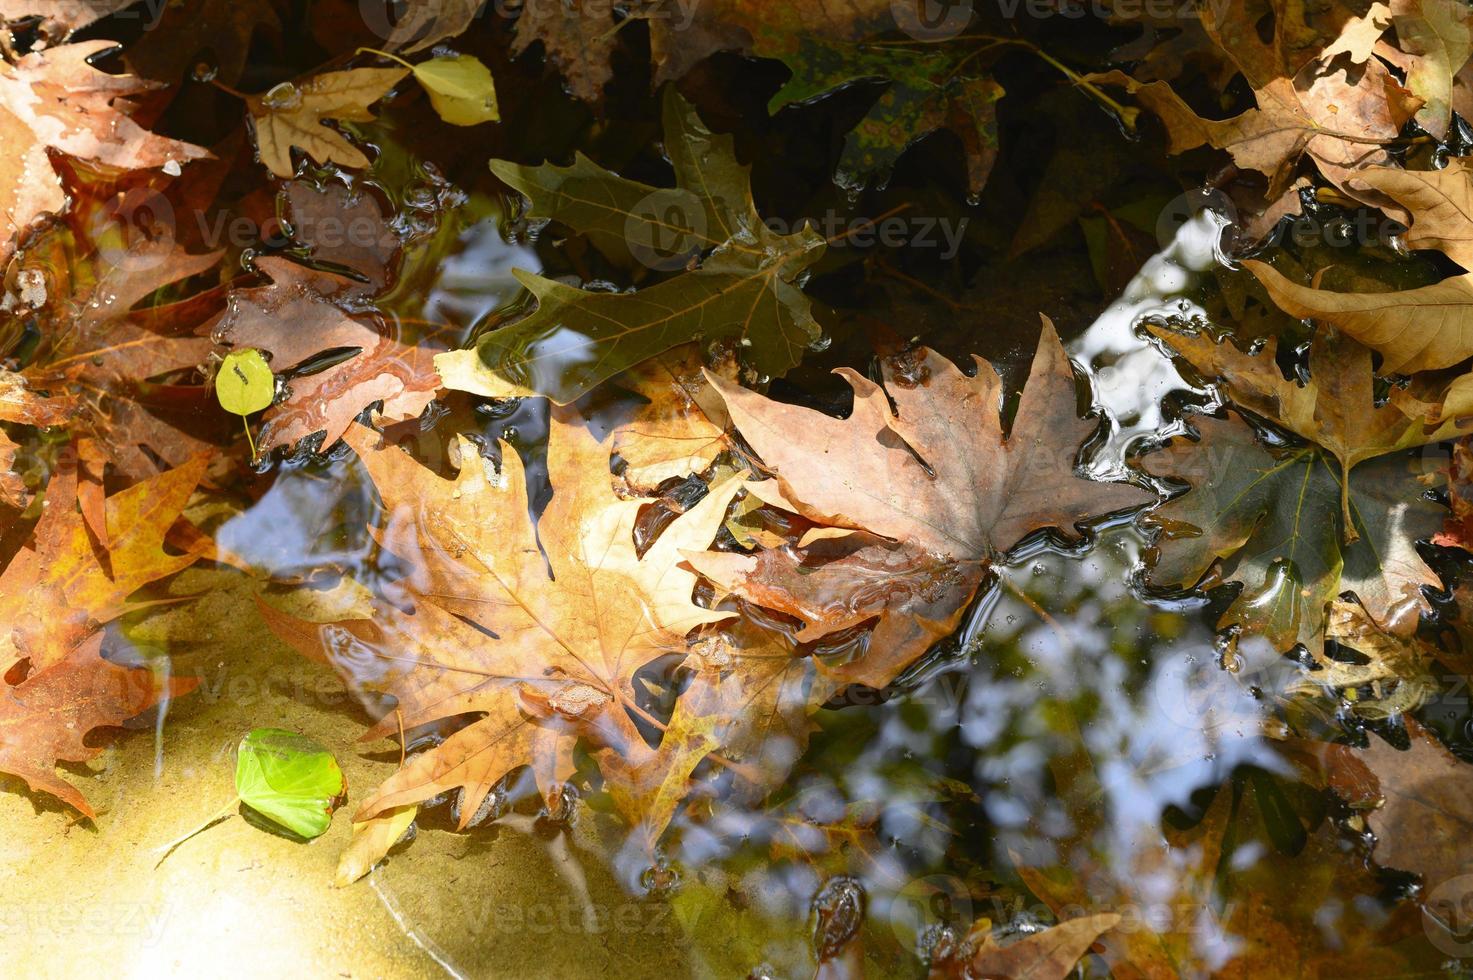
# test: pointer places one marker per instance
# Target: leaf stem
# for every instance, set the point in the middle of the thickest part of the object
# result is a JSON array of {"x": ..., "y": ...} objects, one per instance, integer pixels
[
  {"x": 385, "y": 54},
  {"x": 225, "y": 813}
]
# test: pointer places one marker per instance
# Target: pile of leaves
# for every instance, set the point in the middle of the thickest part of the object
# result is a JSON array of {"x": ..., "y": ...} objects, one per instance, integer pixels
[{"x": 713, "y": 559}]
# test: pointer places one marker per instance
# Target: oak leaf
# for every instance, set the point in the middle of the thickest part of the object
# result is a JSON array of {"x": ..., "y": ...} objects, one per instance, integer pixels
[
  {"x": 124, "y": 364},
  {"x": 1426, "y": 810},
  {"x": 292, "y": 115},
  {"x": 55, "y": 100},
  {"x": 302, "y": 315},
  {"x": 66, "y": 584},
  {"x": 19, "y": 403},
  {"x": 47, "y": 717},
  {"x": 540, "y": 633},
  {"x": 1048, "y": 955}
]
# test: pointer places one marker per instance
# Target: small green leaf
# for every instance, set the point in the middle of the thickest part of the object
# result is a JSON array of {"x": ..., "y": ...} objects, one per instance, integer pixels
[
  {"x": 289, "y": 778},
  {"x": 244, "y": 384},
  {"x": 460, "y": 88}
]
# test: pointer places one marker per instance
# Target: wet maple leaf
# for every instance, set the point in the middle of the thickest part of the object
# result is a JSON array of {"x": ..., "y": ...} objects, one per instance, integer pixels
[
  {"x": 1272, "y": 517},
  {"x": 66, "y": 585},
  {"x": 303, "y": 314},
  {"x": 294, "y": 115},
  {"x": 55, "y": 100},
  {"x": 741, "y": 278},
  {"x": 936, "y": 477},
  {"x": 543, "y": 642},
  {"x": 47, "y": 717}
]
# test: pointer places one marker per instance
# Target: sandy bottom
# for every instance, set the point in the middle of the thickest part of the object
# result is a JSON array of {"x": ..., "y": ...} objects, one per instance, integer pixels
[{"x": 83, "y": 900}]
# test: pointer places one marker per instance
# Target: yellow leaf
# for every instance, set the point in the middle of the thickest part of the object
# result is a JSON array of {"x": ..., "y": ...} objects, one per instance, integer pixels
[
  {"x": 460, "y": 88},
  {"x": 371, "y": 841},
  {"x": 293, "y": 115},
  {"x": 244, "y": 384}
]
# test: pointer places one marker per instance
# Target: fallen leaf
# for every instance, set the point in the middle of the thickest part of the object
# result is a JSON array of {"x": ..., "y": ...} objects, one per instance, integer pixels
[
  {"x": 58, "y": 591},
  {"x": 935, "y": 476},
  {"x": 301, "y": 315},
  {"x": 682, "y": 427},
  {"x": 289, "y": 779},
  {"x": 1272, "y": 517},
  {"x": 1427, "y": 813},
  {"x": 372, "y": 840},
  {"x": 55, "y": 100},
  {"x": 928, "y": 90},
  {"x": 215, "y": 33},
  {"x": 578, "y": 37},
  {"x": 573, "y": 618},
  {"x": 47, "y": 717},
  {"x": 1050, "y": 954},
  {"x": 743, "y": 285},
  {"x": 423, "y": 23},
  {"x": 292, "y": 115},
  {"x": 1335, "y": 408}
]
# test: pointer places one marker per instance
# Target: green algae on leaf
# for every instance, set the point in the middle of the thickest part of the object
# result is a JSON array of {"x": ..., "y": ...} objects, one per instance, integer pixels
[
  {"x": 735, "y": 276},
  {"x": 289, "y": 778}
]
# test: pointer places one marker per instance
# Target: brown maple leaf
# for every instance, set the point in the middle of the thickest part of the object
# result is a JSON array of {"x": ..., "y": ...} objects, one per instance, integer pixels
[
  {"x": 301, "y": 315},
  {"x": 55, "y": 100},
  {"x": 539, "y": 633},
  {"x": 934, "y": 483},
  {"x": 294, "y": 115},
  {"x": 47, "y": 717},
  {"x": 681, "y": 428},
  {"x": 67, "y": 585}
]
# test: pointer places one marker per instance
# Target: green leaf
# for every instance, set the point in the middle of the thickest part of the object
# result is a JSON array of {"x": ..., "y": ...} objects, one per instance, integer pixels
[
  {"x": 244, "y": 384},
  {"x": 733, "y": 276},
  {"x": 460, "y": 88},
  {"x": 1273, "y": 518},
  {"x": 289, "y": 778}
]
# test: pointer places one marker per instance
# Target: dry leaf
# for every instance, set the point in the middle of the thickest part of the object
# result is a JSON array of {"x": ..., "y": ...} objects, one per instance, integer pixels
[{"x": 292, "y": 115}]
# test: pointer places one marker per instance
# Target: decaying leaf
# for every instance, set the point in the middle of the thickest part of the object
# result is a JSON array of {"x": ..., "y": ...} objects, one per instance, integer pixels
[
  {"x": 47, "y": 717},
  {"x": 743, "y": 283},
  {"x": 1048, "y": 955},
  {"x": 545, "y": 647},
  {"x": 56, "y": 100},
  {"x": 64, "y": 587},
  {"x": 302, "y": 315},
  {"x": 935, "y": 484},
  {"x": 682, "y": 427},
  {"x": 19, "y": 403},
  {"x": 294, "y": 115},
  {"x": 123, "y": 363},
  {"x": 1426, "y": 811}
]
